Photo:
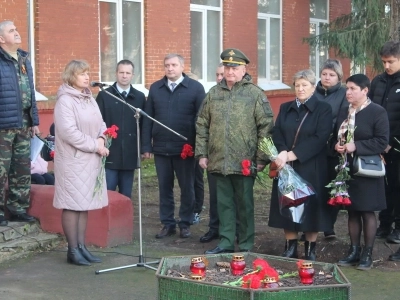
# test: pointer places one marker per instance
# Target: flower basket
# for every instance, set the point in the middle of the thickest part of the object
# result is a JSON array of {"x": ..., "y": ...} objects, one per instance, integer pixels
[{"x": 184, "y": 288}]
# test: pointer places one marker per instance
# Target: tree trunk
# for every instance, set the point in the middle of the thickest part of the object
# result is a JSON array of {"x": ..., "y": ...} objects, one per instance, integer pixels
[{"x": 394, "y": 33}]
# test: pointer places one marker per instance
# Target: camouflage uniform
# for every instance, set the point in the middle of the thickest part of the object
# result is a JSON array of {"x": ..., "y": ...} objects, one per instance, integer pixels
[
  {"x": 228, "y": 130},
  {"x": 15, "y": 150}
]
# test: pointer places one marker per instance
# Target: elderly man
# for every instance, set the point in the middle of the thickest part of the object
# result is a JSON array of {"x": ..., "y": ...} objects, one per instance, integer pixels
[
  {"x": 18, "y": 122},
  {"x": 173, "y": 101},
  {"x": 235, "y": 116},
  {"x": 122, "y": 161}
]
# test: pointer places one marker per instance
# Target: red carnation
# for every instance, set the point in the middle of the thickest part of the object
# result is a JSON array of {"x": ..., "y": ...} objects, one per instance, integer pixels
[
  {"x": 346, "y": 201},
  {"x": 187, "y": 151},
  {"x": 339, "y": 200},
  {"x": 332, "y": 201}
]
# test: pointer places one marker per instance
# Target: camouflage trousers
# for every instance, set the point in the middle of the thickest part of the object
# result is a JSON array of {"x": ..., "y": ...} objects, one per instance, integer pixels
[{"x": 15, "y": 165}]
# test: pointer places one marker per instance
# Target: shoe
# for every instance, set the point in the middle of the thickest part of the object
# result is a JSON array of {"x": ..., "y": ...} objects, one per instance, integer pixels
[
  {"x": 394, "y": 237},
  {"x": 383, "y": 232},
  {"x": 23, "y": 217},
  {"x": 87, "y": 255},
  {"x": 3, "y": 221},
  {"x": 352, "y": 258},
  {"x": 290, "y": 249},
  {"x": 166, "y": 231},
  {"x": 309, "y": 250},
  {"x": 209, "y": 236},
  {"x": 218, "y": 250},
  {"x": 365, "y": 259},
  {"x": 184, "y": 232},
  {"x": 74, "y": 256},
  {"x": 196, "y": 218},
  {"x": 330, "y": 234},
  {"x": 395, "y": 256}
]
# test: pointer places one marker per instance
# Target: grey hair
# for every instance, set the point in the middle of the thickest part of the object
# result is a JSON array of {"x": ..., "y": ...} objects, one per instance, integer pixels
[
  {"x": 220, "y": 65},
  {"x": 172, "y": 55},
  {"x": 334, "y": 65},
  {"x": 4, "y": 24},
  {"x": 308, "y": 75}
]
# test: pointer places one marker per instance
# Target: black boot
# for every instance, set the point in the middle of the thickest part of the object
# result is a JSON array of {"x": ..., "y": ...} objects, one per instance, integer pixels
[
  {"x": 352, "y": 258},
  {"x": 309, "y": 250},
  {"x": 87, "y": 255},
  {"x": 74, "y": 256},
  {"x": 290, "y": 249},
  {"x": 395, "y": 256},
  {"x": 365, "y": 259}
]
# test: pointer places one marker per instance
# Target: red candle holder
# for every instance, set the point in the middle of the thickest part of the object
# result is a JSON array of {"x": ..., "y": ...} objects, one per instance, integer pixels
[
  {"x": 270, "y": 283},
  {"x": 237, "y": 265},
  {"x": 198, "y": 267},
  {"x": 306, "y": 273}
]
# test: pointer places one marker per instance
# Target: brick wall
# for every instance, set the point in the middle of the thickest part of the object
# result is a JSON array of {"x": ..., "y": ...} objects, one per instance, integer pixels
[
  {"x": 65, "y": 30},
  {"x": 16, "y": 11}
]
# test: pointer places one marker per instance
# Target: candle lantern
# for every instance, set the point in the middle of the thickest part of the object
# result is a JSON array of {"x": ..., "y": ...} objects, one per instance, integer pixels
[
  {"x": 237, "y": 265},
  {"x": 270, "y": 283},
  {"x": 306, "y": 273},
  {"x": 198, "y": 267}
]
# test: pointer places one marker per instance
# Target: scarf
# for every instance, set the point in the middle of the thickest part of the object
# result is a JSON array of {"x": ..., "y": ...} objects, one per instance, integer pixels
[{"x": 348, "y": 124}]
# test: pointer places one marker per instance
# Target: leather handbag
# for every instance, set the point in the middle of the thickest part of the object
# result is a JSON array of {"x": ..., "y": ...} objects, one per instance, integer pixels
[{"x": 369, "y": 166}]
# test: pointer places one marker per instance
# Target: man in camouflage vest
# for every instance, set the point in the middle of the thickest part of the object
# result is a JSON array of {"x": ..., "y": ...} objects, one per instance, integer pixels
[
  {"x": 234, "y": 117},
  {"x": 18, "y": 122}
]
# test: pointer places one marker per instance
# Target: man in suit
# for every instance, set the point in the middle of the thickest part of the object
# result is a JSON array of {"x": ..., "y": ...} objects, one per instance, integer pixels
[{"x": 173, "y": 101}]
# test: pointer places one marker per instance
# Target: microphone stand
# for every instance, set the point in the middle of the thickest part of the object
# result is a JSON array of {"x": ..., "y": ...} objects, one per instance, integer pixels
[{"x": 142, "y": 261}]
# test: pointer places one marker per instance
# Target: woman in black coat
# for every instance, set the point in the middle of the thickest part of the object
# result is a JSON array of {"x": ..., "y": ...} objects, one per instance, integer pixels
[
  {"x": 308, "y": 158},
  {"x": 371, "y": 136}
]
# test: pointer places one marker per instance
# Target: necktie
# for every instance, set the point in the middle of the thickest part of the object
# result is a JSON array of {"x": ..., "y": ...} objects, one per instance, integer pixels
[
  {"x": 173, "y": 85},
  {"x": 124, "y": 94}
]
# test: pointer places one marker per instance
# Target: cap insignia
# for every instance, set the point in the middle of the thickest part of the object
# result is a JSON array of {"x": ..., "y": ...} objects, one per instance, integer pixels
[
  {"x": 231, "y": 53},
  {"x": 231, "y": 58}
]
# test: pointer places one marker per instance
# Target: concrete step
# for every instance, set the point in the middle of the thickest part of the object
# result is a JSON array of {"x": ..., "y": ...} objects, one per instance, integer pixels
[{"x": 15, "y": 230}]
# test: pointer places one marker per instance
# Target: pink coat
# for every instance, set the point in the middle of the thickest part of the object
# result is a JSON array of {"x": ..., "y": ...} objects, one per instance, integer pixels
[
  {"x": 39, "y": 166},
  {"x": 78, "y": 124}
]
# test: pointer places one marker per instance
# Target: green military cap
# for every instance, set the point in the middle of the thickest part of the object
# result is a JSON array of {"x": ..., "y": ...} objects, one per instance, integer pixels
[{"x": 232, "y": 57}]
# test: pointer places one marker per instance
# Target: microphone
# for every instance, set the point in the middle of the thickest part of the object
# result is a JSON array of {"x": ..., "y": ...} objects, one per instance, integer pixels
[{"x": 99, "y": 84}]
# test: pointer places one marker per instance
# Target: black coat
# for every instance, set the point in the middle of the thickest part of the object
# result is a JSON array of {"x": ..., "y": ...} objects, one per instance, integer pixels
[
  {"x": 311, "y": 163},
  {"x": 123, "y": 150},
  {"x": 176, "y": 110},
  {"x": 371, "y": 137}
]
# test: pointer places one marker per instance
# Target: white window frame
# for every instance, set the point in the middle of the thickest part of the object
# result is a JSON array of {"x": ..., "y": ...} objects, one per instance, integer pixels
[
  {"x": 203, "y": 9},
  {"x": 266, "y": 83},
  {"x": 317, "y": 23},
  {"x": 120, "y": 50}
]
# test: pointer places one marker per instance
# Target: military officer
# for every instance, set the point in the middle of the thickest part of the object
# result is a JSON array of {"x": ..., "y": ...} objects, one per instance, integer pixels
[{"x": 235, "y": 116}]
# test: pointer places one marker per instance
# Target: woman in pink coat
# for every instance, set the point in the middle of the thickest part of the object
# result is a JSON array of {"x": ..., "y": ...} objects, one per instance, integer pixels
[{"x": 77, "y": 162}]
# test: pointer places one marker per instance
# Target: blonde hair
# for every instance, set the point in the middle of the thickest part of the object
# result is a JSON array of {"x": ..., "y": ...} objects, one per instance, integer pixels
[{"x": 73, "y": 68}]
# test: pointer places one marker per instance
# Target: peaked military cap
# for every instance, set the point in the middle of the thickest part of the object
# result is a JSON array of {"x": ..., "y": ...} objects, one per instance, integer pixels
[{"x": 232, "y": 57}]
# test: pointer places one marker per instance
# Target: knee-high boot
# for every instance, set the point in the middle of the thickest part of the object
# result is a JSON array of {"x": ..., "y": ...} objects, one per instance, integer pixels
[
  {"x": 353, "y": 257},
  {"x": 309, "y": 250},
  {"x": 365, "y": 259},
  {"x": 74, "y": 256},
  {"x": 87, "y": 255},
  {"x": 290, "y": 249}
]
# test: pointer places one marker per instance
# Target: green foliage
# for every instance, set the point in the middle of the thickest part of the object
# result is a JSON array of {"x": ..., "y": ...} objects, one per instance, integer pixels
[{"x": 360, "y": 34}]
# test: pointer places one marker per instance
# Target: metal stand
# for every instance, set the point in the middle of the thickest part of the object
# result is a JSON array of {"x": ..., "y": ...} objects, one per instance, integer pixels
[{"x": 142, "y": 260}]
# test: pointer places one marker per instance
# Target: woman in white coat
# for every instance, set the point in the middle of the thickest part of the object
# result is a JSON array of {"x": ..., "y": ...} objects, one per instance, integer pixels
[{"x": 79, "y": 129}]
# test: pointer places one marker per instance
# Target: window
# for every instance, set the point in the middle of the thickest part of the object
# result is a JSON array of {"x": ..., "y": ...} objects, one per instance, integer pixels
[
  {"x": 270, "y": 45},
  {"x": 121, "y": 37},
  {"x": 318, "y": 17},
  {"x": 205, "y": 39}
]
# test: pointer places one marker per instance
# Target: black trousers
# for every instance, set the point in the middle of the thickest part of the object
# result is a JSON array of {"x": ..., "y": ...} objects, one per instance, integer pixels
[
  {"x": 214, "y": 218},
  {"x": 198, "y": 187},
  {"x": 392, "y": 190},
  {"x": 167, "y": 167}
]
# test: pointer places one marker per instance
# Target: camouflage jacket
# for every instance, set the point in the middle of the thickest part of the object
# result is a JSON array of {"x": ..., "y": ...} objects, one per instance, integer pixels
[{"x": 230, "y": 125}]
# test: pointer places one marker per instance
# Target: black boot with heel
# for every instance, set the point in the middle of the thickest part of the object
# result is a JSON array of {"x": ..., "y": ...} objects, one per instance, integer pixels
[
  {"x": 365, "y": 259},
  {"x": 87, "y": 255},
  {"x": 352, "y": 258},
  {"x": 74, "y": 256},
  {"x": 309, "y": 250},
  {"x": 290, "y": 249}
]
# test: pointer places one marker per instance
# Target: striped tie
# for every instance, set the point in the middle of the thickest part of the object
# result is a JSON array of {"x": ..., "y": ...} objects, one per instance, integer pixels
[{"x": 173, "y": 85}]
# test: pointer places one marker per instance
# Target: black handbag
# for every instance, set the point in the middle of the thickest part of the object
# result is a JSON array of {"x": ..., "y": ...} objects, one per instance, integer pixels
[{"x": 369, "y": 166}]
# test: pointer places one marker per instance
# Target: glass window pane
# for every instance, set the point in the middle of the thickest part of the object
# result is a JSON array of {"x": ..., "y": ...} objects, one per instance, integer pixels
[
  {"x": 313, "y": 28},
  {"x": 275, "y": 49},
  {"x": 216, "y": 3},
  {"x": 108, "y": 41},
  {"x": 262, "y": 48},
  {"x": 323, "y": 51},
  {"x": 213, "y": 39},
  {"x": 196, "y": 42},
  {"x": 132, "y": 50},
  {"x": 269, "y": 6},
  {"x": 319, "y": 9}
]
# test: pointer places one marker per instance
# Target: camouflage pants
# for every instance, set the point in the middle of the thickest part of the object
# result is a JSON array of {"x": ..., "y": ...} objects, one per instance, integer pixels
[{"x": 15, "y": 165}]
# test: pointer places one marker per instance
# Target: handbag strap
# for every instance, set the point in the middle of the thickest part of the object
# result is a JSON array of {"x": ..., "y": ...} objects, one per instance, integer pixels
[{"x": 298, "y": 129}]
